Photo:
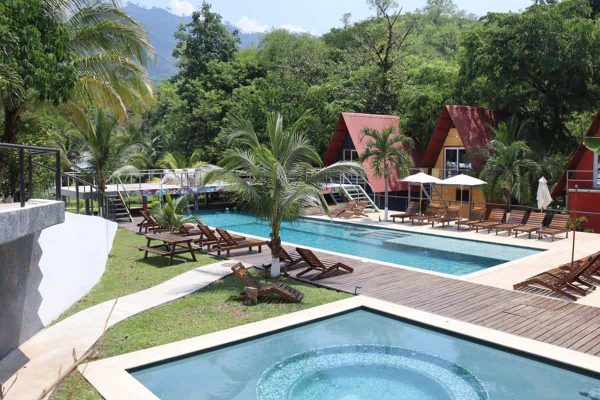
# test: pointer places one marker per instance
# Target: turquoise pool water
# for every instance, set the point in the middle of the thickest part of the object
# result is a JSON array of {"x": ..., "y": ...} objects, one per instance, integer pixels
[
  {"x": 430, "y": 252},
  {"x": 363, "y": 355}
]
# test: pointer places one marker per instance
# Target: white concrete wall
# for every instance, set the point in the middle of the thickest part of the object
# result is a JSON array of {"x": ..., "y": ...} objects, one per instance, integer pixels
[{"x": 73, "y": 259}]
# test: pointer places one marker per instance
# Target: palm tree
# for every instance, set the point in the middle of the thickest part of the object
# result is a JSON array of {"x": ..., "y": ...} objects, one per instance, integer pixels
[
  {"x": 509, "y": 168},
  {"x": 107, "y": 147},
  {"x": 171, "y": 214},
  {"x": 283, "y": 178},
  {"x": 171, "y": 160},
  {"x": 386, "y": 150}
]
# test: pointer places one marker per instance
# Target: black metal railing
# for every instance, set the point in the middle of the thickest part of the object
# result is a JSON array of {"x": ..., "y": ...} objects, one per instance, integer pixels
[{"x": 25, "y": 165}]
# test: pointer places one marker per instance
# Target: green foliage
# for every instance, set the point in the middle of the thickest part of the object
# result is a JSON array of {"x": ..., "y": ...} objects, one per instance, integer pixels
[
  {"x": 510, "y": 171},
  {"x": 171, "y": 214},
  {"x": 592, "y": 143},
  {"x": 579, "y": 224},
  {"x": 541, "y": 64},
  {"x": 203, "y": 40},
  {"x": 284, "y": 179}
]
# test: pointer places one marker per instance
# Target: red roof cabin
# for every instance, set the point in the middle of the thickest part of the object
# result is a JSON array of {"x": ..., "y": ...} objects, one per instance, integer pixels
[
  {"x": 347, "y": 143},
  {"x": 583, "y": 170},
  {"x": 460, "y": 135}
]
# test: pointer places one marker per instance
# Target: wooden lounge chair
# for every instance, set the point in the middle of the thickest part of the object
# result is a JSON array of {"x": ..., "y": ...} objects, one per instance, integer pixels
[
  {"x": 433, "y": 210},
  {"x": 558, "y": 225},
  {"x": 279, "y": 290},
  {"x": 452, "y": 214},
  {"x": 563, "y": 281},
  {"x": 515, "y": 219},
  {"x": 290, "y": 258},
  {"x": 147, "y": 222},
  {"x": 208, "y": 237},
  {"x": 534, "y": 222},
  {"x": 357, "y": 212},
  {"x": 590, "y": 276},
  {"x": 348, "y": 207},
  {"x": 412, "y": 209},
  {"x": 321, "y": 266},
  {"x": 476, "y": 217},
  {"x": 495, "y": 218},
  {"x": 228, "y": 242}
]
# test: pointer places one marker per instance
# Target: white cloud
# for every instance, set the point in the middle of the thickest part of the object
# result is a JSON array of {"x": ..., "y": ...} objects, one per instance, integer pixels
[
  {"x": 293, "y": 28},
  {"x": 247, "y": 25},
  {"x": 181, "y": 7}
]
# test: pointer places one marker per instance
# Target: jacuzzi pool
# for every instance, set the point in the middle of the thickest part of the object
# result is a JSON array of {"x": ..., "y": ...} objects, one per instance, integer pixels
[{"x": 363, "y": 354}]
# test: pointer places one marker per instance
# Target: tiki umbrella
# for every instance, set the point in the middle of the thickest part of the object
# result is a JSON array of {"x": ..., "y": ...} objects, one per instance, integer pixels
[
  {"x": 421, "y": 178},
  {"x": 463, "y": 180}
]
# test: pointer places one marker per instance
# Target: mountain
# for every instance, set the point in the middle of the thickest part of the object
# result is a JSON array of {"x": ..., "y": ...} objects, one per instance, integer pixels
[{"x": 161, "y": 26}]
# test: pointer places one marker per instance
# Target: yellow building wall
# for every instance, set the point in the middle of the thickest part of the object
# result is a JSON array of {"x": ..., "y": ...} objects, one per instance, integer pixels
[{"x": 449, "y": 192}]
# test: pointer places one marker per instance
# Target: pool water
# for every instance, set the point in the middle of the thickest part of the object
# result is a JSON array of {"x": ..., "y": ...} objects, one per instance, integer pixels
[
  {"x": 430, "y": 252},
  {"x": 363, "y": 355}
]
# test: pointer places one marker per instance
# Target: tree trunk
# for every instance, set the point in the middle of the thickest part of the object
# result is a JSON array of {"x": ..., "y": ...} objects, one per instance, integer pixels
[
  {"x": 275, "y": 263},
  {"x": 385, "y": 199}
]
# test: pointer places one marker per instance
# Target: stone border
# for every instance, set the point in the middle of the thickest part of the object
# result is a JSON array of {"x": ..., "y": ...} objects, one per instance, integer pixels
[{"x": 111, "y": 379}]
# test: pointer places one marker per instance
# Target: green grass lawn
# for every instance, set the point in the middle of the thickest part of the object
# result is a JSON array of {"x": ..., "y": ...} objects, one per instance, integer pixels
[
  {"x": 127, "y": 272},
  {"x": 212, "y": 309}
]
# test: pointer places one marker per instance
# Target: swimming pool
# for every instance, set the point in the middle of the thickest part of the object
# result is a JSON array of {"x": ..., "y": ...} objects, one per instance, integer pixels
[
  {"x": 363, "y": 354},
  {"x": 429, "y": 252}
]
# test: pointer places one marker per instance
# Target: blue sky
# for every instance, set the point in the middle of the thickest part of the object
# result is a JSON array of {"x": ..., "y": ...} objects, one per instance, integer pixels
[{"x": 315, "y": 16}]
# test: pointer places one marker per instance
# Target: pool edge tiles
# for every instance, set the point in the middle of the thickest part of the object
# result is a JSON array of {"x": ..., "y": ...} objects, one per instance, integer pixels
[{"x": 112, "y": 379}]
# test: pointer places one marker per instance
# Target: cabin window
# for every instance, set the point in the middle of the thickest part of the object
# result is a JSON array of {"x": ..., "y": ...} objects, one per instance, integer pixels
[
  {"x": 350, "y": 155},
  {"x": 455, "y": 161},
  {"x": 463, "y": 195}
]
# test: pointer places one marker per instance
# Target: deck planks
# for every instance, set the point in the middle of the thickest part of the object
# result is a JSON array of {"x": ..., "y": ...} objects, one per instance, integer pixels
[{"x": 545, "y": 319}]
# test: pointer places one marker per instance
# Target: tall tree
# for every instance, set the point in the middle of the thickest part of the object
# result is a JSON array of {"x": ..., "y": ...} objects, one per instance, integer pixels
[
  {"x": 202, "y": 40},
  {"x": 284, "y": 178},
  {"x": 388, "y": 41},
  {"x": 387, "y": 150},
  {"x": 541, "y": 64}
]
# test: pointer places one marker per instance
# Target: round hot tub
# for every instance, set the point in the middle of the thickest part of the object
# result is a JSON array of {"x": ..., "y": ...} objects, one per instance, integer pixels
[{"x": 354, "y": 372}]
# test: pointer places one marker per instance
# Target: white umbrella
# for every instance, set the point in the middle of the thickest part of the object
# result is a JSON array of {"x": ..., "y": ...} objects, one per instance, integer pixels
[
  {"x": 544, "y": 198},
  {"x": 421, "y": 178},
  {"x": 464, "y": 180}
]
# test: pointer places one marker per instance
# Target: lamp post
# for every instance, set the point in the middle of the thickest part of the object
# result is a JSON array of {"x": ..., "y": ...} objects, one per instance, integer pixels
[{"x": 574, "y": 227}]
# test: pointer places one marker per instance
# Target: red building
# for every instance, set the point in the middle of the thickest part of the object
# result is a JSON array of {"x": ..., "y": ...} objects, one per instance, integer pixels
[
  {"x": 583, "y": 170},
  {"x": 347, "y": 143}
]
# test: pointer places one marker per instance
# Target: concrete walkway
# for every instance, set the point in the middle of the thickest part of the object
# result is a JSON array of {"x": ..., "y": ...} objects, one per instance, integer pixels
[{"x": 36, "y": 364}]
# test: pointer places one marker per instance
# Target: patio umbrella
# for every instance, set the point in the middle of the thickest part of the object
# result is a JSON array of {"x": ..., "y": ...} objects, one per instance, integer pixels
[
  {"x": 421, "y": 178},
  {"x": 463, "y": 180},
  {"x": 544, "y": 198}
]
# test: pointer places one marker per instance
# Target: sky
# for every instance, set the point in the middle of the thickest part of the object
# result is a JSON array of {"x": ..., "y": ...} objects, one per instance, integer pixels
[{"x": 314, "y": 16}]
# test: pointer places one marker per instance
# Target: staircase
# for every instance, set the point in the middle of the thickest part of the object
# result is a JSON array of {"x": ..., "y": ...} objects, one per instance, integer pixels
[
  {"x": 357, "y": 193},
  {"x": 117, "y": 209},
  {"x": 433, "y": 195}
]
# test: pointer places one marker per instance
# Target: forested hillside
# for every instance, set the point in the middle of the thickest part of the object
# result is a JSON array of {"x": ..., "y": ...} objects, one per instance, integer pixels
[{"x": 540, "y": 65}]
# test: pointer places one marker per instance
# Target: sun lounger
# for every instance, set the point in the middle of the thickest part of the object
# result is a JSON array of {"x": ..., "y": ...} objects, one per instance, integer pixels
[
  {"x": 321, "y": 266},
  {"x": 564, "y": 281},
  {"x": 515, "y": 219},
  {"x": 558, "y": 225},
  {"x": 348, "y": 207},
  {"x": 280, "y": 290},
  {"x": 412, "y": 209},
  {"x": 534, "y": 222},
  {"x": 357, "y": 212},
  {"x": 228, "y": 242},
  {"x": 208, "y": 237},
  {"x": 147, "y": 222},
  {"x": 433, "y": 210},
  {"x": 452, "y": 214},
  {"x": 290, "y": 258},
  {"x": 476, "y": 216},
  {"x": 495, "y": 218}
]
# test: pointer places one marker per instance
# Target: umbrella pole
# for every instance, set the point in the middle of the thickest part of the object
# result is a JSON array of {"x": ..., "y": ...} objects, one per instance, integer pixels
[
  {"x": 421, "y": 199},
  {"x": 574, "y": 226}
]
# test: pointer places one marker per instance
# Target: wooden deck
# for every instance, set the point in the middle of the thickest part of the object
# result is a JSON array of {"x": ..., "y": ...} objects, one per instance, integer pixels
[
  {"x": 553, "y": 321},
  {"x": 558, "y": 322}
]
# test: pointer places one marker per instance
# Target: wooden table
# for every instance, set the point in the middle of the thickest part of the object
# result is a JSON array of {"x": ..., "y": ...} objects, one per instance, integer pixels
[{"x": 171, "y": 245}]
